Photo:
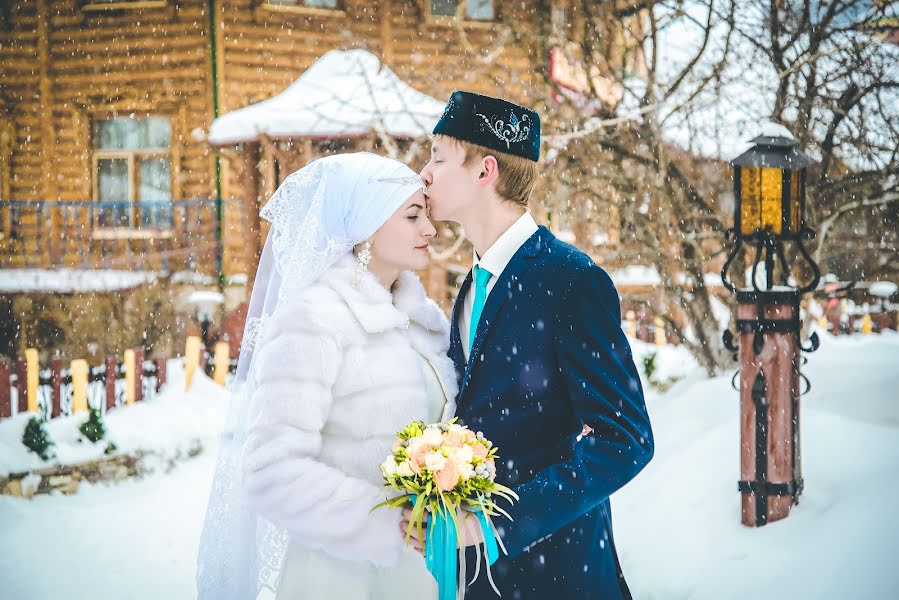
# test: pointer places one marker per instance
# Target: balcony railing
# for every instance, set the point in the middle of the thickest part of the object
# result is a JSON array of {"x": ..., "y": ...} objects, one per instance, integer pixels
[{"x": 166, "y": 235}]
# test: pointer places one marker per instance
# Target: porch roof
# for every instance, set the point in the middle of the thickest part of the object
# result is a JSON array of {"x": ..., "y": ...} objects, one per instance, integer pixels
[{"x": 343, "y": 94}]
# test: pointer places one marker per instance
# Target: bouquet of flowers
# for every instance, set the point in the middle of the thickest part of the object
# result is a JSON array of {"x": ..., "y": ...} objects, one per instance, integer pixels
[{"x": 443, "y": 468}]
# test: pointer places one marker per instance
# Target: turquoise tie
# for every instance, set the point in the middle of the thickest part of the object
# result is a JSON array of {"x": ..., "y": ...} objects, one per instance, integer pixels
[{"x": 481, "y": 277}]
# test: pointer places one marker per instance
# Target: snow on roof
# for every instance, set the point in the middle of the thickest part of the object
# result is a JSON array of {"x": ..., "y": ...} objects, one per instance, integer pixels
[
  {"x": 343, "y": 94},
  {"x": 69, "y": 281},
  {"x": 647, "y": 275}
]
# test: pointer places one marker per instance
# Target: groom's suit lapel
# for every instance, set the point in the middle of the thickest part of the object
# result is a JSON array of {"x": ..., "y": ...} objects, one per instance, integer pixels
[
  {"x": 455, "y": 351},
  {"x": 506, "y": 287}
]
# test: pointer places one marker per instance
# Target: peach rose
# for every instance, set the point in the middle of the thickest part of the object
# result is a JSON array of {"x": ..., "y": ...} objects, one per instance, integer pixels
[
  {"x": 491, "y": 468},
  {"x": 447, "y": 477},
  {"x": 455, "y": 435},
  {"x": 416, "y": 452},
  {"x": 479, "y": 451}
]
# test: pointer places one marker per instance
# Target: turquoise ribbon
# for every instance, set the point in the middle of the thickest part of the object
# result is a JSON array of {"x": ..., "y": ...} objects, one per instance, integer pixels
[{"x": 442, "y": 549}]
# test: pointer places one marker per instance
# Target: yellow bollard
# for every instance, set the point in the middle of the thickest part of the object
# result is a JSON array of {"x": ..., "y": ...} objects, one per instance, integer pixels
[
  {"x": 32, "y": 378},
  {"x": 79, "y": 386},
  {"x": 630, "y": 324},
  {"x": 130, "y": 378},
  {"x": 222, "y": 356},
  {"x": 660, "y": 337},
  {"x": 867, "y": 324},
  {"x": 191, "y": 358}
]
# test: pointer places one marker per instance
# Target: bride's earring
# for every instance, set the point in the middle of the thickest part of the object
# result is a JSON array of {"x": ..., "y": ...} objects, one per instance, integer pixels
[{"x": 362, "y": 260}]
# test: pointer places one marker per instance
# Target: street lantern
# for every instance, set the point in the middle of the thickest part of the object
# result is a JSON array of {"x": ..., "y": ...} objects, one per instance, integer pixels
[
  {"x": 769, "y": 205},
  {"x": 769, "y": 211}
]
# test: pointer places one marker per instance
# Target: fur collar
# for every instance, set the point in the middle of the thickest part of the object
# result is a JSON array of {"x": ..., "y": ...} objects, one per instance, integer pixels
[{"x": 378, "y": 310}]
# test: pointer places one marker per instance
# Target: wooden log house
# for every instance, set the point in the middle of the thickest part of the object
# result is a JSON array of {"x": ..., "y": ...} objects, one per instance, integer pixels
[{"x": 104, "y": 106}]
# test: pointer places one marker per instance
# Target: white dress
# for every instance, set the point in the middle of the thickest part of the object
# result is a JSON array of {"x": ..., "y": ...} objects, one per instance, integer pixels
[{"x": 314, "y": 575}]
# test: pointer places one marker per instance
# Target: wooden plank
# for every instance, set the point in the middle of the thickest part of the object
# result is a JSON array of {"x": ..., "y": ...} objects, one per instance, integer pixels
[
  {"x": 100, "y": 46},
  {"x": 170, "y": 61}
]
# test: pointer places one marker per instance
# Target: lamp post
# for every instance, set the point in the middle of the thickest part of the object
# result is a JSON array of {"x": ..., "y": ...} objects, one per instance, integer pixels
[{"x": 769, "y": 212}]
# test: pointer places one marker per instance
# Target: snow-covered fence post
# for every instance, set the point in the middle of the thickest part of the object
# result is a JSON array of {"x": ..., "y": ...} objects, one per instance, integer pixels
[
  {"x": 79, "y": 386},
  {"x": 659, "y": 332},
  {"x": 32, "y": 379},
  {"x": 630, "y": 324},
  {"x": 867, "y": 324},
  {"x": 160, "y": 373},
  {"x": 222, "y": 358},
  {"x": 192, "y": 353},
  {"x": 129, "y": 377},
  {"x": 139, "y": 374},
  {"x": 55, "y": 387},
  {"x": 111, "y": 366},
  {"x": 5, "y": 392}
]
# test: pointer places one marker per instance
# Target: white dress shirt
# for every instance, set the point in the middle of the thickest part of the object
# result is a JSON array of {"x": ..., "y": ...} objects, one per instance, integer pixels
[{"x": 495, "y": 260}]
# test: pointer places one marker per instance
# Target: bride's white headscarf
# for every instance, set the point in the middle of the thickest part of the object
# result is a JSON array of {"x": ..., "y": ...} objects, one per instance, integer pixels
[{"x": 318, "y": 214}]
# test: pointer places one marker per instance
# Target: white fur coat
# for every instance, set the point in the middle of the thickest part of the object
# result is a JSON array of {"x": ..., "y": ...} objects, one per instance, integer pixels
[{"x": 339, "y": 375}]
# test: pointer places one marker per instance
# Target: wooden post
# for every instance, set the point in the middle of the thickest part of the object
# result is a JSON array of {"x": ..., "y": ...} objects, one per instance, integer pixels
[
  {"x": 630, "y": 324},
  {"x": 55, "y": 387},
  {"x": 192, "y": 351},
  {"x": 867, "y": 324},
  {"x": 139, "y": 374},
  {"x": 50, "y": 186},
  {"x": 111, "y": 367},
  {"x": 222, "y": 358},
  {"x": 129, "y": 377},
  {"x": 22, "y": 385},
  {"x": 32, "y": 378},
  {"x": 770, "y": 466},
  {"x": 160, "y": 373},
  {"x": 660, "y": 338},
  {"x": 5, "y": 392},
  {"x": 79, "y": 386}
]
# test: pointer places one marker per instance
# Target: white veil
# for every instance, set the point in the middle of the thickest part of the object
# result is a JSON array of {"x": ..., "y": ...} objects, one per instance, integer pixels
[{"x": 318, "y": 214}]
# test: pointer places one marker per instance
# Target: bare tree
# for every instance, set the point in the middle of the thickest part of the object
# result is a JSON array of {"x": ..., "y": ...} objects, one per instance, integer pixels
[{"x": 697, "y": 78}]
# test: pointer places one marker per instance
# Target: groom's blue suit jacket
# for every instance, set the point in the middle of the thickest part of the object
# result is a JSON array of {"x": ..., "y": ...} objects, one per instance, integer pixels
[{"x": 550, "y": 356}]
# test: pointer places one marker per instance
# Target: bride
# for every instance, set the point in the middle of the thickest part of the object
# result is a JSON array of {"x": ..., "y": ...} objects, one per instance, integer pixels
[{"x": 342, "y": 348}]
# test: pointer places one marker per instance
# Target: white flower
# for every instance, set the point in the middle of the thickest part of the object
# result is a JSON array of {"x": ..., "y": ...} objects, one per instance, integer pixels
[
  {"x": 389, "y": 467},
  {"x": 432, "y": 437},
  {"x": 435, "y": 461},
  {"x": 465, "y": 471},
  {"x": 464, "y": 455},
  {"x": 414, "y": 446},
  {"x": 404, "y": 469}
]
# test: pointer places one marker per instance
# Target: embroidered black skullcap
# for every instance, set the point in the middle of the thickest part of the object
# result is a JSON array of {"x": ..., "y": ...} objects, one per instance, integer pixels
[{"x": 492, "y": 123}]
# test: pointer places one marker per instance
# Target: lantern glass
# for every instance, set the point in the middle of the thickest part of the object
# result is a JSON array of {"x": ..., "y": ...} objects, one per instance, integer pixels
[
  {"x": 761, "y": 191},
  {"x": 797, "y": 194}
]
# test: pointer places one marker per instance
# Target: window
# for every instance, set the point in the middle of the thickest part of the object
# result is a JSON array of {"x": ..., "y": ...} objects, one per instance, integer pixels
[
  {"x": 308, "y": 3},
  {"x": 473, "y": 10},
  {"x": 324, "y": 7},
  {"x": 132, "y": 164},
  {"x": 98, "y": 5}
]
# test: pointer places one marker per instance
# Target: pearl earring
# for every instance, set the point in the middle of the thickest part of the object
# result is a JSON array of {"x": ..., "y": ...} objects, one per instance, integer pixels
[{"x": 362, "y": 260}]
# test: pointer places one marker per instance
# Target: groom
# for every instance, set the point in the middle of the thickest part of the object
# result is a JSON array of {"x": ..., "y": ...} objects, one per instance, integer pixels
[{"x": 544, "y": 369}]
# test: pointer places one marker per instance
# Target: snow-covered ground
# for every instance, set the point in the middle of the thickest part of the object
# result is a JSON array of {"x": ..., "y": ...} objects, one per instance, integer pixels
[
  {"x": 677, "y": 524},
  {"x": 170, "y": 424}
]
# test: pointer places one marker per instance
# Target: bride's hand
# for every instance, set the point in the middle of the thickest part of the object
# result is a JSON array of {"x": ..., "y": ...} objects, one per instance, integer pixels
[
  {"x": 470, "y": 531},
  {"x": 417, "y": 544}
]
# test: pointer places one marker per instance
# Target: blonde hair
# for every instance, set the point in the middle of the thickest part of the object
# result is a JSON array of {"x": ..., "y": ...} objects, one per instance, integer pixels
[{"x": 517, "y": 175}]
